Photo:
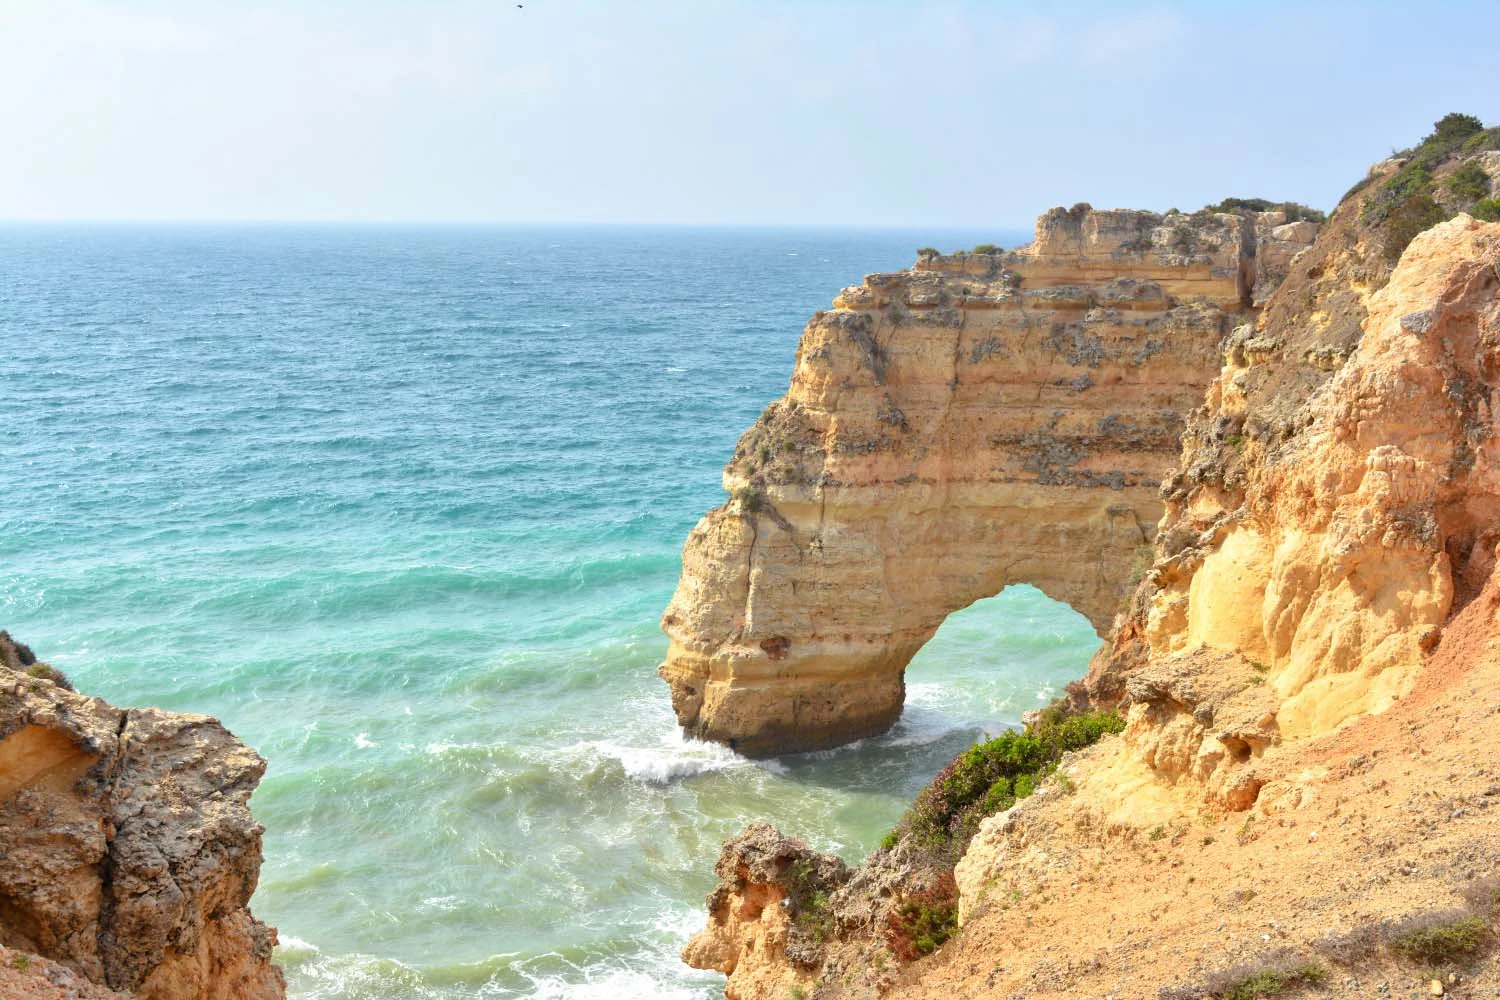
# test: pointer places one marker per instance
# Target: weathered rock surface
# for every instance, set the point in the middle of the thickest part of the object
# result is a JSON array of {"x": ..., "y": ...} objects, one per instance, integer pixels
[
  {"x": 1309, "y": 669},
  {"x": 24, "y": 976},
  {"x": 766, "y": 914},
  {"x": 981, "y": 420},
  {"x": 129, "y": 852}
]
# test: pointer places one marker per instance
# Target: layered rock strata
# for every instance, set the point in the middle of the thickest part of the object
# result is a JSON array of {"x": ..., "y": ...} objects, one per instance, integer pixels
[
  {"x": 1308, "y": 671},
  {"x": 130, "y": 854},
  {"x": 981, "y": 420}
]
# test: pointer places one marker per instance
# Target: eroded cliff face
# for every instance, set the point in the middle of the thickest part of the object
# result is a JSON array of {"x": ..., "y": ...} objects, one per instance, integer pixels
[
  {"x": 129, "y": 852},
  {"x": 1308, "y": 669},
  {"x": 981, "y": 420}
]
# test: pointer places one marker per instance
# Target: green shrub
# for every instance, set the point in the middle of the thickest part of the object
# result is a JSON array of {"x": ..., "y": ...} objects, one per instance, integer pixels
[
  {"x": 47, "y": 672},
  {"x": 989, "y": 777},
  {"x": 1487, "y": 210},
  {"x": 924, "y": 921},
  {"x": 1488, "y": 139},
  {"x": 988, "y": 248},
  {"x": 1271, "y": 976},
  {"x": 1295, "y": 211},
  {"x": 1403, "y": 205},
  {"x": 1439, "y": 938},
  {"x": 927, "y": 252},
  {"x": 1415, "y": 215},
  {"x": 1274, "y": 982},
  {"x": 750, "y": 499},
  {"x": 21, "y": 962},
  {"x": 1468, "y": 183},
  {"x": 812, "y": 912},
  {"x": 1454, "y": 127}
]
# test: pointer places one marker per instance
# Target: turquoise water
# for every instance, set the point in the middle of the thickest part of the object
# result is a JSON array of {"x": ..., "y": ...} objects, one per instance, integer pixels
[{"x": 401, "y": 506}]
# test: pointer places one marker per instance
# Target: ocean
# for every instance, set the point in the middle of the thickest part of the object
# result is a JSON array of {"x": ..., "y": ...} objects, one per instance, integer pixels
[{"x": 401, "y": 505}]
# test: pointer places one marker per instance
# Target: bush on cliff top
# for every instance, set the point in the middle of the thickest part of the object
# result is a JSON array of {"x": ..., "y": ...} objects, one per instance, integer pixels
[
  {"x": 1295, "y": 211},
  {"x": 1403, "y": 205},
  {"x": 989, "y": 777}
]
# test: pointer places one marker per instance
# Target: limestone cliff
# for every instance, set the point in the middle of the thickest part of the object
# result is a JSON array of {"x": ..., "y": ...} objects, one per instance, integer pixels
[
  {"x": 981, "y": 420},
  {"x": 129, "y": 852},
  {"x": 1303, "y": 793}
]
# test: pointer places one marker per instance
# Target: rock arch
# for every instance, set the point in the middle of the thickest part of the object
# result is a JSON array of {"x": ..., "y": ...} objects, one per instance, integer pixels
[{"x": 978, "y": 421}]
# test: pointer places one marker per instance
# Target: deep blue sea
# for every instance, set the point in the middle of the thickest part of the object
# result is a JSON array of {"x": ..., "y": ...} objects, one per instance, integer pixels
[{"x": 402, "y": 505}]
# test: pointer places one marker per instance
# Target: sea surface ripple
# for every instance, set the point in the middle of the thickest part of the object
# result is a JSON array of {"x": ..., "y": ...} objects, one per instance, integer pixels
[{"x": 401, "y": 505}]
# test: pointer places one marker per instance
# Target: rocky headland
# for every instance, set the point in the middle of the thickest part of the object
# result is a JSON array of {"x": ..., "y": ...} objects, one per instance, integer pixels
[
  {"x": 128, "y": 854},
  {"x": 1277, "y": 775},
  {"x": 984, "y": 419}
]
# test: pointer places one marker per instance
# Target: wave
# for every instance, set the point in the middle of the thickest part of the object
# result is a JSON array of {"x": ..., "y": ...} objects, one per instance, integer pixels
[{"x": 662, "y": 765}]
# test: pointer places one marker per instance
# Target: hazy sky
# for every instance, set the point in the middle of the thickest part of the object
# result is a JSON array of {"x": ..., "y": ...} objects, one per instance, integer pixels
[{"x": 873, "y": 113}]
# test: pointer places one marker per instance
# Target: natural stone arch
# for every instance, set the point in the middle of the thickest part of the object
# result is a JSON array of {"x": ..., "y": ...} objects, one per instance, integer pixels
[{"x": 980, "y": 421}]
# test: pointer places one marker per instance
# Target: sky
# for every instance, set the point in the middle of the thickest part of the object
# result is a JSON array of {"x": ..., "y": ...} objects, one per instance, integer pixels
[{"x": 876, "y": 113}]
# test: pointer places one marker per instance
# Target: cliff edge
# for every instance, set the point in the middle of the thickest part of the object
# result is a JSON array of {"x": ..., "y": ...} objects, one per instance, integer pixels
[
  {"x": 130, "y": 854},
  {"x": 1291, "y": 789}
]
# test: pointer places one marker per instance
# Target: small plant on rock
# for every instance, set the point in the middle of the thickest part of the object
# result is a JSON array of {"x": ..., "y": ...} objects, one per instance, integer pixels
[
  {"x": 750, "y": 499},
  {"x": 924, "y": 921}
]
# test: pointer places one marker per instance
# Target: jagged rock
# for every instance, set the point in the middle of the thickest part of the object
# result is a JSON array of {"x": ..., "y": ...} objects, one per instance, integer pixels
[
  {"x": 981, "y": 420},
  {"x": 769, "y": 914},
  {"x": 130, "y": 854}
]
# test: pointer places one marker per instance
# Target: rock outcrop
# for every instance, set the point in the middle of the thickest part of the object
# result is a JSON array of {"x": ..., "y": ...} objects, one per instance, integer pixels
[
  {"x": 1308, "y": 669},
  {"x": 768, "y": 914},
  {"x": 130, "y": 854},
  {"x": 981, "y": 420}
]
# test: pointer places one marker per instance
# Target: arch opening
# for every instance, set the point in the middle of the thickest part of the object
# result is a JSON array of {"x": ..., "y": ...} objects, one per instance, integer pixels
[{"x": 997, "y": 658}]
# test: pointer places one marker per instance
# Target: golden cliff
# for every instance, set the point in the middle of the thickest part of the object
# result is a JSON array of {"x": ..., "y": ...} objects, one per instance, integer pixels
[
  {"x": 981, "y": 420},
  {"x": 1304, "y": 793},
  {"x": 130, "y": 854}
]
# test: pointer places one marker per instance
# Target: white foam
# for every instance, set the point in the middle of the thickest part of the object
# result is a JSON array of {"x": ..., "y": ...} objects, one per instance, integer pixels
[
  {"x": 289, "y": 944},
  {"x": 363, "y": 741},
  {"x": 679, "y": 922},
  {"x": 661, "y": 765}
]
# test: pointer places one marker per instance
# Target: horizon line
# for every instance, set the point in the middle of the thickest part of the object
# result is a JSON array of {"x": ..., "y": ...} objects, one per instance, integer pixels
[{"x": 167, "y": 221}]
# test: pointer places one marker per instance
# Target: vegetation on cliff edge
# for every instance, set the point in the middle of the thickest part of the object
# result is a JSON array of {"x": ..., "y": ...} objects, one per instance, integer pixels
[
  {"x": 990, "y": 777},
  {"x": 1408, "y": 201},
  {"x": 1295, "y": 211}
]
